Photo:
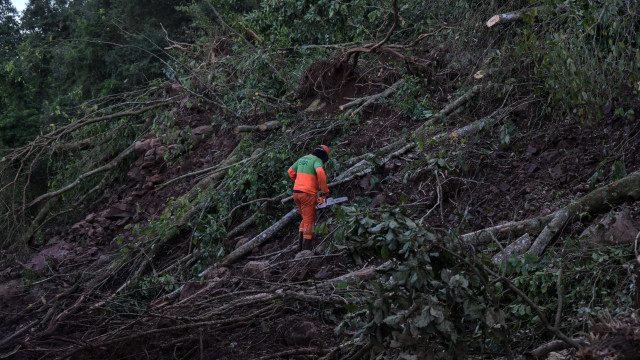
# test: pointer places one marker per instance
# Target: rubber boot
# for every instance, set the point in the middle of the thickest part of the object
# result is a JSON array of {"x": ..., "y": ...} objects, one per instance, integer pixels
[
  {"x": 306, "y": 244},
  {"x": 300, "y": 242}
]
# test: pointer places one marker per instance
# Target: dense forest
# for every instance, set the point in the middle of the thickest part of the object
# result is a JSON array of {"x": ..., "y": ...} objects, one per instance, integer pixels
[{"x": 489, "y": 152}]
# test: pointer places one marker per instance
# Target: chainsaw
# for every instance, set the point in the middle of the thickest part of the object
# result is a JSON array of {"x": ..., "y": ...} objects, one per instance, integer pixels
[{"x": 325, "y": 202}]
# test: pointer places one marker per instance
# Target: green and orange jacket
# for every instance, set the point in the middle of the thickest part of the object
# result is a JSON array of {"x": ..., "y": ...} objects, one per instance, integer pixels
[{"x": 308, "y": 175}]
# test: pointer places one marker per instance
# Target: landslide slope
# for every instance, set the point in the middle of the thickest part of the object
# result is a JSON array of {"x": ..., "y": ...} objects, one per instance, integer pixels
[{"x": 165, "y": 227}]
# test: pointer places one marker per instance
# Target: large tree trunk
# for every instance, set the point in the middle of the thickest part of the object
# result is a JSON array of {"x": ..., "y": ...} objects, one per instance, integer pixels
[
  {"x": 259, "y": 239},
  {"x": 600, "y": 199},
  {"x": 549, "y": 232}
]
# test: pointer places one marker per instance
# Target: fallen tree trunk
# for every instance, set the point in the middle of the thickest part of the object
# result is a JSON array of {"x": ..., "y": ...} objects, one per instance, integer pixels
[
  {"x": 505, "y": 231},
  {"x": 517, "y": 15},
  {"x": 549, "y": 232},
  {"x": 269, "y": 125},
  {"x": 519, "y": 246},
  {"x": 602, "y": 198},
  {"x": 365, "y": 101},
  {"x": 259, "y": 239},
  {"x": 80, "y": 178},
  {"x": 448, "y": 109},
  {"x": 214, "y": 169}
]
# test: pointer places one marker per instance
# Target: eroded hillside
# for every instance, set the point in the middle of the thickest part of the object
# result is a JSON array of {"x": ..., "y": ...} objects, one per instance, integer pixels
[{"x": 488, "y": 216}]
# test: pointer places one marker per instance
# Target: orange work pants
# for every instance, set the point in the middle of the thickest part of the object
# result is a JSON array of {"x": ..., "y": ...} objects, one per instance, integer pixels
[{"x": 307, "y": 206}]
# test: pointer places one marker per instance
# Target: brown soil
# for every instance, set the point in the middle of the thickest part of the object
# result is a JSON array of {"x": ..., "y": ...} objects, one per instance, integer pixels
[{"x": 541, "y": 170}]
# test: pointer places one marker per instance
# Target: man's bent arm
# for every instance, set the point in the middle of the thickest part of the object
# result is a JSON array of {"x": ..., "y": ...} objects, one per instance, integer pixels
[{"x": 322, "y": 179}]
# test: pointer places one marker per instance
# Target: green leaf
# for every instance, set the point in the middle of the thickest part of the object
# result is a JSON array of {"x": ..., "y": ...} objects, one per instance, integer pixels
[
  {"x": 385, "y": 253},
  {"x": 393, "y": 320},
  {"x": 530, "y": 259}
]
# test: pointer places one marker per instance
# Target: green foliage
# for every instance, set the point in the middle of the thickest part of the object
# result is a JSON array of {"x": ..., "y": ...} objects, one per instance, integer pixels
[
  {"x": 435, "y": 298},
  {"x": 412, "y": 99},
  {"x": 63, "y": 53},
  {"x": 586, "y": 56},
  {"x": 148, "y": 288},
  {"x": 507, "y": 131},
  {"x": 292, "y": 22},
  {"x": 18, "y": 127},
  {"x": 425, "y": 302}
]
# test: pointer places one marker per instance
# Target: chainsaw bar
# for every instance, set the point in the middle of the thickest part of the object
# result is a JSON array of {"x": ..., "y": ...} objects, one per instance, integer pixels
[{"x": 331, "y": 201}]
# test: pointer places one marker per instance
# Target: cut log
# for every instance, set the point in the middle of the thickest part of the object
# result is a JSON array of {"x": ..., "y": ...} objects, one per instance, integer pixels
[
  {"x": 505, "y": 231},
  {"x": 504, "y": 18},
  {"x": 549, "y": 232},
  {"x": 600, "y": 199},
  {"x": 515, "y": 248},
  {"x": 365, "y": 101},
  {"x": 517, "y": 15},
  {"x": 448, "y": 109},
  {"x": 259, "y": 239},
  {"x": 269, "y": 125}
]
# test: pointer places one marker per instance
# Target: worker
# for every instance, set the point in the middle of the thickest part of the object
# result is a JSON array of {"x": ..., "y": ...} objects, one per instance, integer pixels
[{"x": 309, "y": 178}]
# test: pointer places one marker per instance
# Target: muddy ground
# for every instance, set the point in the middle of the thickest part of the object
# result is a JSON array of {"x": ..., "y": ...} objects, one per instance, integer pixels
[{"x": 546, "y": 165}]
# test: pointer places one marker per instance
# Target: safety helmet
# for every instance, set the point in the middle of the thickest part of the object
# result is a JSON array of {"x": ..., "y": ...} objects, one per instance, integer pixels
[{"x": 325, "y": 148}]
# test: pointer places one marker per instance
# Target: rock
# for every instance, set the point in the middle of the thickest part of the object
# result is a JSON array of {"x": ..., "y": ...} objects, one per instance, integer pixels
[
  {"x": 504, "y": 186},
  {"x": 316, "y": 105},
  {"x": 301, "y": 334},
  {"x": 255, "y": 268},
  {"x": 201, "y": 133},
  {"x": 550, "y": 156},
  {"x": 156, "y": 179},
  {"x": 220, "y": 272},
  {"x": 320, "y": 249},
  {"x": 557, "y": 171},
  {"x": 304, "y": 254},
  {"x": 9, "y": 291},
  {"x": 616, "y": 229},
  {"x": 141, "y": 147},
  {"x": 135, "y": 175},
  {"x": 365, "y": 183},
  {"x": 117, "y": 212},
  {"x": 50, "y": 256},
  {"x": 531, "y": 150},
  {"x": 377, "y": 201},
  {"x": 556, "y": 356},
  {"x": 102, "y": 260},
  {"x": 160, "y": 151}
]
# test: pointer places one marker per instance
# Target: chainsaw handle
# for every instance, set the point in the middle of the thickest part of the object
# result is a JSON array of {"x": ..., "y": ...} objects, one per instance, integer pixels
[{"x": 321, "y": 199}]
